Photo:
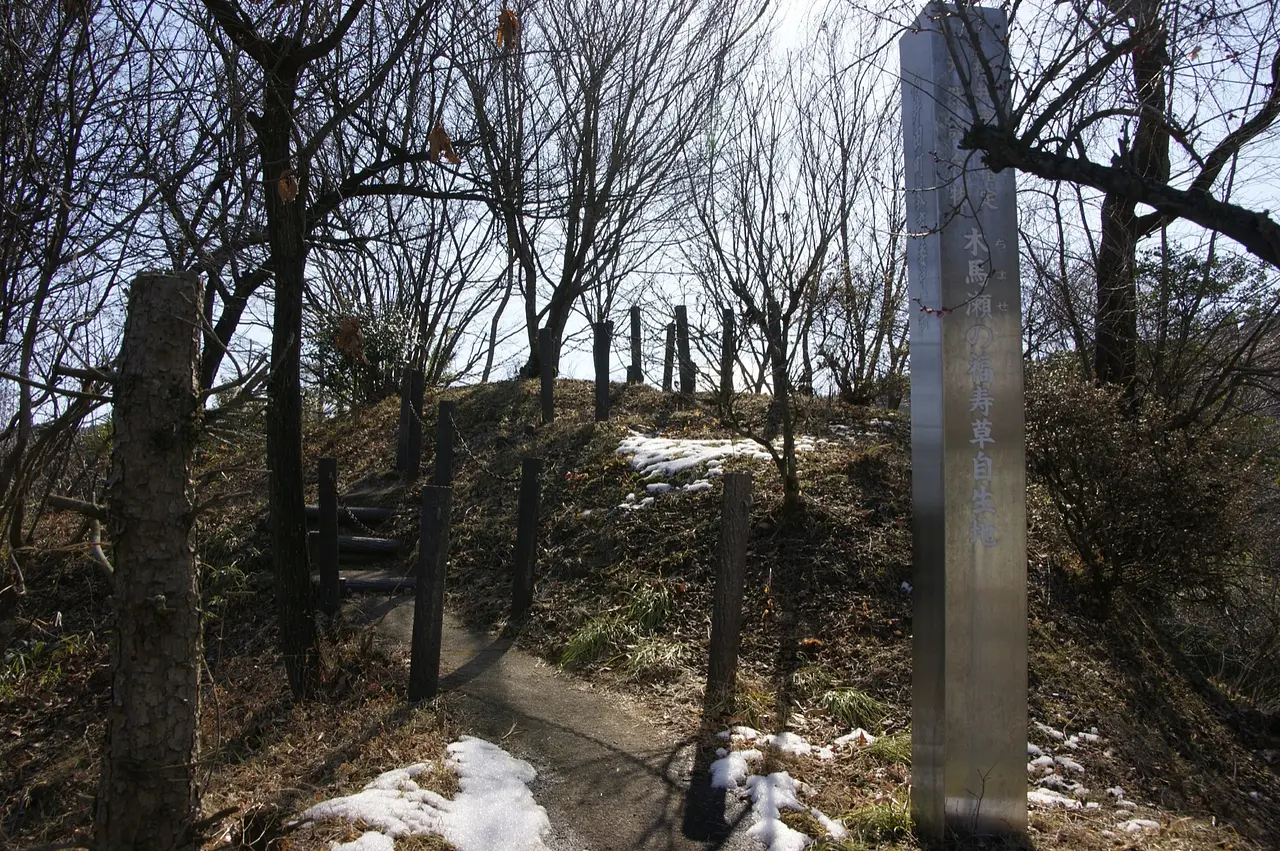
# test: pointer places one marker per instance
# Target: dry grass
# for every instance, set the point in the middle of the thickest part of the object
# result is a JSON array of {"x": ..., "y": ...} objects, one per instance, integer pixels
[{"x": 623, "y": 597}]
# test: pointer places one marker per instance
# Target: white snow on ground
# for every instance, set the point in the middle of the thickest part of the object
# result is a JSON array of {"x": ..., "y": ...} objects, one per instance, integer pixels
[
  {"x": 370, "y": 840},
  {"x": 1069, "y": 764},
  {"x": 1138, "y": 824},
  {"x": 493, "y": 810},
  {"x": 787, "y": 743},
  {"x": 1050, "y": 799},
  {"x": 665, "y": 457},
  {"x": 859, "y": 738},
  {"x": 772, "y": 793},
  {"x": 732, "y": 770},
  {"x": 1056, "y": 735},
  {"x": 1050, "y": 772}
]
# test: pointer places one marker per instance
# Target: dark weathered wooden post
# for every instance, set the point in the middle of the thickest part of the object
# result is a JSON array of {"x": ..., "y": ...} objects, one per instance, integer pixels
[
  {"x": 428, "y": 595},
  {"x": 686, "y": 361},
  {"x": 547, "y": 370},
  {"x": 148, "y": 796},
  {"x": 669, "y": 358},
  {"x": 402, "y": 426},
  {"x": 526, "y": 537},
  {"x": 634, "y": 374},
  {"x": 603, "y": 333},
  {"x": 326, "y": 552},
  {"x": 728, "y": 345},
  {"x": 409, "y": 461},
  {"x": 444, "y": 443},
  {"x": 726, "y": 616}
]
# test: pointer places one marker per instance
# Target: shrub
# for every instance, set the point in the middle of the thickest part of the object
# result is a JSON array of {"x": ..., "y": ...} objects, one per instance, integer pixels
[
  {"x": 1153, "y": 511},
  {"x": 370, "y": 369}
]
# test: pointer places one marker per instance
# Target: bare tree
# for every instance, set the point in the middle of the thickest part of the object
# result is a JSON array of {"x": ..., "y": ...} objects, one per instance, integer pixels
[
  {"x": 1149, "y": 102},
  {"x": 67, "y": 220},
  {"x": 147, "y": 795},
  {"x": 581, "y": 132},
  {"x": 282, "y": 46},
  {"x": 419, "y": 290},
  {"x": 771, "y": 209}
]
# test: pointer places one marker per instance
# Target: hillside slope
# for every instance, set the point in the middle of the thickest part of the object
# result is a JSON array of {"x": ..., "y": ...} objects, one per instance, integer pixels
[{"x": 623, "y": 597}]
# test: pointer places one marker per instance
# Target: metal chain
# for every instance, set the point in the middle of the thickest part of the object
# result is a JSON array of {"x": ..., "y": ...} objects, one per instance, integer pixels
[
  {"x": 354, "y": 520},
  {"x": 467, "y": 450}
]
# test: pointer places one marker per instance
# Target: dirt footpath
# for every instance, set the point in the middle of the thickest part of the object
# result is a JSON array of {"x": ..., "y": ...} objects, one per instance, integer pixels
[{"x": 610, "y": 778}]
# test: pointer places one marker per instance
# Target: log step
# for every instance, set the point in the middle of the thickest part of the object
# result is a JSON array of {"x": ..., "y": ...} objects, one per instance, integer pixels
[
  {"x": 380, "y": 584},
  {"x": 374, "y": 581},
  {"x": 361, "y": 545},
  {"x": 362, "y": 514}
]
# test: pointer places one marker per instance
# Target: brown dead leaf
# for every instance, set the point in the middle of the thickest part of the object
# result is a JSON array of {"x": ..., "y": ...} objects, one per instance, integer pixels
[
  {"x": 439, "y": 144},
  {"x": 287, "y": 186},
  {"x": 508, "y": 29},
  {"x": 349, "y": 340}
]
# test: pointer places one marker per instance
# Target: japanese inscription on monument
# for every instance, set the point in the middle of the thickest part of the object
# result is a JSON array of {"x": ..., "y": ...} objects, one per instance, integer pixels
[{"x": 969, "y": 709}]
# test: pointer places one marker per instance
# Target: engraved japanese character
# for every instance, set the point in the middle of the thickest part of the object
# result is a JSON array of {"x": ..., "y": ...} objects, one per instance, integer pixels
[
  {"x": 982, "y": 531},
  {"x": 981, "y": 400},
  {"x": 984, "y": 501},
  {"x": 980, "y": 338},
  {"x": 979, "y": 305},
  {"x": 982, "y": 471},
  {"x": 974, "y": 243},
  {"x": 981, "y": 369},
  {"x": 982, "y": 433}
]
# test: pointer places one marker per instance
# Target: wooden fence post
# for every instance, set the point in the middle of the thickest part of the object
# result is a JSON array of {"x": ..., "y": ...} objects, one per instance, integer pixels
[
  {"x": 526, "y": 553},
  {"x": 411, "y": 423},
  {"x": 402, "y": 428},
  {"x": 603, "y": 334},
  {"x": 546, "y": 368},
  {"x": 687, "y": 387},
  {"x": 326, "y": 552},
  {"x": 669, "y": 358},
  {"x": 726, "y": 616},
  {"x": 727, "y": 347},
  {"x": 444, "y": 443},
  {"x": 634, "y": 375},
  {"x": 148, "y": 793},
  {"x": 428, "y": 595}
]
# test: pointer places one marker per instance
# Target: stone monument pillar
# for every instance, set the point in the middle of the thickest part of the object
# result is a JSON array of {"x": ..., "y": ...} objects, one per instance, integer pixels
[{"x": 969, "y": 689}]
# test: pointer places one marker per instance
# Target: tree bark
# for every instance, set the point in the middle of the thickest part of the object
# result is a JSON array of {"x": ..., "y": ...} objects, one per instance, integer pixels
[
  {"x": 1117, "y": 317},
  {"x": 286, "y": 236},
  {"x": 148, "y": 795},
  {"x": 1115, "y": 357}
]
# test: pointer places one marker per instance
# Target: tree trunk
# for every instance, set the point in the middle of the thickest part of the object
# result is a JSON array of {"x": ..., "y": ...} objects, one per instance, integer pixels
[
  {"x": 148, "y": 796},
  {"x": 1117, "y": 321},
  {"x": 1115, "y": 356},
  {"x": 781, "y": 407},
  {"x": 285, "y": 195}
]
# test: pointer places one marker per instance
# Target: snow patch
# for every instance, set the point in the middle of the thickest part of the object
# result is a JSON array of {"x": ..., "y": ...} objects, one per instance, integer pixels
[
  {"x": 663, "y": 457},
  {"x": 493, "y": 810},
  {"x": 858, "y": 738},
  {"x": 1136, "y": 825},
  {"x": 370, "y": 840},
  {"x": 788, "y": 743},
  {"x": 1069, "y": 764},
  {"x": 769, "y": 794},
  {"x": 732, "y": 770},
  {"x": 1050, "y": 799},
  {"x": 1056, "y": 735}
]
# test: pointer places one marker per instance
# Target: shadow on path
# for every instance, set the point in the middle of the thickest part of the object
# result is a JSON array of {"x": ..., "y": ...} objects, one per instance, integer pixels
[{"x": 608, "y": 773}]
